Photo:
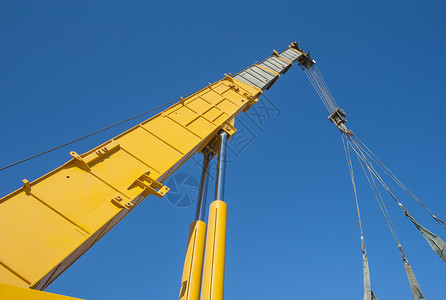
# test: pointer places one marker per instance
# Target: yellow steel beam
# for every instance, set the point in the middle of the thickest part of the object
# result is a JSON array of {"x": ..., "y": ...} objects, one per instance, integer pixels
[
  {"x": 52, "y": 221},
  {"x": 214, "y": 260},
  {"x": 9, "y": 292},
  {"x": 193, "y": 263}
]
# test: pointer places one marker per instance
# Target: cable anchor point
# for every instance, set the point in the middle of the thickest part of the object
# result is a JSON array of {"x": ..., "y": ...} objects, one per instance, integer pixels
[{"x": 338, "y": 117}]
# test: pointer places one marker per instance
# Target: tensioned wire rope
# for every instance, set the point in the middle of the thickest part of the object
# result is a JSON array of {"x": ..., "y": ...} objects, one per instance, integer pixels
[
  {"x": 96, "y": 132},
  {"x": 318, "y": 83},
  {"x": 366, "y": 158},
  {"x": 388, "y": 172},
  {"x": 352, "y": 177},
  {"x": 99, "y": 131},
  {"x": 88, "y": 135},
  {"x": 415, "y": 288},
  {"x": 327, "y": 98},
  {"x": 321, "y": 88},
  {"x": 370, "y": 179}
]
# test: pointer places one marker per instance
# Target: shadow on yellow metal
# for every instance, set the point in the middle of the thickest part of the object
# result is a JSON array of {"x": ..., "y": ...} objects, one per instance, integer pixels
[
  {"x": 9, "y": 292},
  {"x": 193, "y": 263},
  {"x": 214, "y": 261}
]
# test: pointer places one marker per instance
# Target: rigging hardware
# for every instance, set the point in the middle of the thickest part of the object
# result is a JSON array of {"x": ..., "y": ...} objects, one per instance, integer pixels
[{"x": 338, "y": 117}]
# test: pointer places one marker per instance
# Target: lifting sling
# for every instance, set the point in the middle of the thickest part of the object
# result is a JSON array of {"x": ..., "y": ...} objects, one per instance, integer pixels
[
  {"x": 434, "y": 241},
  {"x": 368, "y": 293},
  {"x": 350, "y": 141}
]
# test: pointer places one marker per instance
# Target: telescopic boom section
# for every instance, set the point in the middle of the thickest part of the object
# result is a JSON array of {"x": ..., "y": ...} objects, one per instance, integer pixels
[{"x": 49, "y": 223}]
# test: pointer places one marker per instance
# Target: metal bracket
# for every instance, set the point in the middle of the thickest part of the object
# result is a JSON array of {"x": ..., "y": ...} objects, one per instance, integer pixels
[
  {"x": 338, "y": 117},
  {"x": 80, "y": 161},
  {"x": 305, "y": 61},
  {"x": 234, "y": 87},
  {"x": 118, "y": 201},
  {"x": 295, "y": 45},
  {"x": 150, "y": 185},
  {"x": 103, "y": 150},
  {"x": 26, "y": 186},
  {"x": 214, "y": 143},
  {"x": 251, "y": 100},
  {"x": 228, "y": 126},
  {"x": 85, "y": 160}
]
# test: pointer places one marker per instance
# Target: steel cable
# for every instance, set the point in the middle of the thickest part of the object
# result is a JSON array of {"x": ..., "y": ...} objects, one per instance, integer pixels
[
  {"x": 321, "y": 87},
  {"x": 324, "y": 84},
  {"x": 352, "y": 176},
  {"x": 86, "y": 136},
  {"x": 388, "y": 172},
  {"x": 319, "y": 84},
  {"x": 318, "y": 92},
  {"x": 362, "y": 159}
]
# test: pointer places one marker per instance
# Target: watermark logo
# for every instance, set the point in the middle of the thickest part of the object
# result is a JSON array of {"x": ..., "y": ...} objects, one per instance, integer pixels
[
  {"x": 263, "y": 111},
  {"x": 184, "y": 187}
]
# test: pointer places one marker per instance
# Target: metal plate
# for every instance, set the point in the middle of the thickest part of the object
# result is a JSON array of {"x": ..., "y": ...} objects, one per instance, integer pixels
[{"x": 263, "y": 79}]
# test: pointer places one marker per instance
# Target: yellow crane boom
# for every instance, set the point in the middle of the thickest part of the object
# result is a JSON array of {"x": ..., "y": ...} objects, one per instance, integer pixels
[{"x": 49, "y": 223}]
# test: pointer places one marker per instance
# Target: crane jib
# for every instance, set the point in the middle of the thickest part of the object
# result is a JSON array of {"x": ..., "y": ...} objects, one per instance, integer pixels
[{"x": 50, "y": 222}]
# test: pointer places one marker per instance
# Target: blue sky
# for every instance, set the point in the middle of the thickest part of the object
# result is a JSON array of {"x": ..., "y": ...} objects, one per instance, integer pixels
[{"x": 67, "y": 69}]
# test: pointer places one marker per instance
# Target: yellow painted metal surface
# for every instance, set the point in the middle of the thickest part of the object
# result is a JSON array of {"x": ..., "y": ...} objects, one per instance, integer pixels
[
  {"x": 52, "y": 221},
  {"x": 214, "y": 260},
  {"x": 9, "y": 292},
  {"x": 193, "y": 263}
]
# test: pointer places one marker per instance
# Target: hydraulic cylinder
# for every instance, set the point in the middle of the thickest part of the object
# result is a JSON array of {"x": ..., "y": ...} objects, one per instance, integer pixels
[
  {"x": 193, "y": 263},
  {"x": 214, "y": 260}
]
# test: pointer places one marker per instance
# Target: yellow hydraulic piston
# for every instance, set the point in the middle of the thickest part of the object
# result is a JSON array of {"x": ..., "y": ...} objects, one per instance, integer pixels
[
  {"x": 193, "y": 264},
  {"x": 11, "y": 292},
  {"x": 214, "y": 262}
]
